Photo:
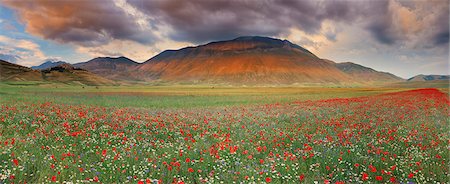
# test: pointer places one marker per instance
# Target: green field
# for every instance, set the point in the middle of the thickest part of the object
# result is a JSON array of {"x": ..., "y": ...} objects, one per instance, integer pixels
[{"x": 156, "y": 97}]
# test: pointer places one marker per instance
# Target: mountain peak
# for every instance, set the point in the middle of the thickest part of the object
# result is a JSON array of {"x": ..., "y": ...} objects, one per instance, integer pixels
[
  {"x": 120, "y": 59},
  {"x": 272, "y": 42},
  {"x": 256, "y": 38},
  {"x": 49, "y": 63}
]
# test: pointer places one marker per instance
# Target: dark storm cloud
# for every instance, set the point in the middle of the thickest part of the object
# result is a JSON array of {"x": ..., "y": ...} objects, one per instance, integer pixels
[
  {"x": 204, "y": 20},
  {"x": 91, "y": 23},
  {"x": 83, "y": 22},
  {"x": 441, "y": 34},
  {"x": 379, "y": 22},
  {"x": 441, "y": 38},
  {"x": 201, "y": 20}
]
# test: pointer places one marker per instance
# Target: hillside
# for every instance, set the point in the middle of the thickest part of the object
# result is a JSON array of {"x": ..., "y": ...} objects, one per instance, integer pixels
[{"x": 14, "y": 72}]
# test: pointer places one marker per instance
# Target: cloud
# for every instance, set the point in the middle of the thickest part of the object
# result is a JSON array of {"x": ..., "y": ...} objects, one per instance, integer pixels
[
  {"x": 83, "y": 22},
  {"x": 9, "y": 58},
  {"x": 20, "y": 51},
  {"x": 136, "y": 51},
  {"x": 120, "y": 27},
  {"x": 391, "y": 22},
  {"x": 198, "y": 21},
  {"x": 414, "y": 24}
]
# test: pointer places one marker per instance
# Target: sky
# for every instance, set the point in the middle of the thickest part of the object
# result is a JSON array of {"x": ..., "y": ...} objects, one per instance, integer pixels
[{"x": 403, "y": 37}]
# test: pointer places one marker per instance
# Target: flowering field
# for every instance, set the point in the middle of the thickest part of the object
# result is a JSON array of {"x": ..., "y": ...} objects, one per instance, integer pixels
[{"x": 394, "y": 137}]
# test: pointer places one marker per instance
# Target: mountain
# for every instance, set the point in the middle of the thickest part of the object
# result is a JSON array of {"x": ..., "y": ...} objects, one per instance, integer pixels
[
  {"x": 248, "y": 60},
  {"x": 111, "y": 68},
  {"x": 366, "y": 74},
  {"x": 48, "y": 64},
  {"x": 14, "y": 72},
  {"x": 251, "y": 60},
  {"x": 63, "y": 73},
  {"x": 429, "y": 78}
]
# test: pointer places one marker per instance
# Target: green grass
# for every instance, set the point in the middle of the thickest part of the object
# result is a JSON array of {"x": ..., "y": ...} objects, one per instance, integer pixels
[{"x": 157, "y": 97}]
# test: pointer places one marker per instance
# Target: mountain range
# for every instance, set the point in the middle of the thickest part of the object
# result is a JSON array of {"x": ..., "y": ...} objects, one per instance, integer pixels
[
  {"x": 63, "y": 73},
  {"x": 422, "y": 77},
  {"x": 48, "y": 64},
  {"x": 249, "y": 60}
]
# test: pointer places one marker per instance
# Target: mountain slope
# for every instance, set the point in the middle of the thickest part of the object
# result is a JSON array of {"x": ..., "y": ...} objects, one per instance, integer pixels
[
  {"x": 244, "y": 60},
  {"x": 111, "y": 68},
  {"x": 14, "y": 72}
]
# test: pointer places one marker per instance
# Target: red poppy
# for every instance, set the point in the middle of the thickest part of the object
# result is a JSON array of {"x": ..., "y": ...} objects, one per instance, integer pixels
[
  {"x": 96, "y": 178},
  {"x": 372, "y": 168},
  {"x": 392, "y": 179},
  {"x": 379, "y": 178},
  {"x": 268, "y": 180},
  {"x": 53, "y": 178},
  {"x": 393, "y": 167},
  {"x": 365, "y": 176},
  {"x": 302, "y": 177},
  {"x": 16, "y": 162},
  {"x": 190, "y": 170}
]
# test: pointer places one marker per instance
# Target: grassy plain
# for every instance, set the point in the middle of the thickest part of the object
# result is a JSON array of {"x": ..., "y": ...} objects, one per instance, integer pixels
[{"x": 157, "y": 97}]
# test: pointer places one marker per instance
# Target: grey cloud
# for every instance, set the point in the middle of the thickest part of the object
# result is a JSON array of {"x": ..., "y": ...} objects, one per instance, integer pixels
[
  {"x": 203, "y": 20},
  {"x": 199, "y": 21},
  {"x": 10, "y": 58},
  {"x": 92, "y": 23},
  {"x": 88, "y": 23}
]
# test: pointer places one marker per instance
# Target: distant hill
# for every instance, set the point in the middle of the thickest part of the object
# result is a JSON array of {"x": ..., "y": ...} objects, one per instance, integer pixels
[
  {"x": 63, "y": 73},
  {"x": 67, "y": 73},
  {"x": 121, "y": 68},
  {"x": 429, "y": 77},
  {"x": 48, "y": 64},
  {"x": 366, "y": 74}
]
